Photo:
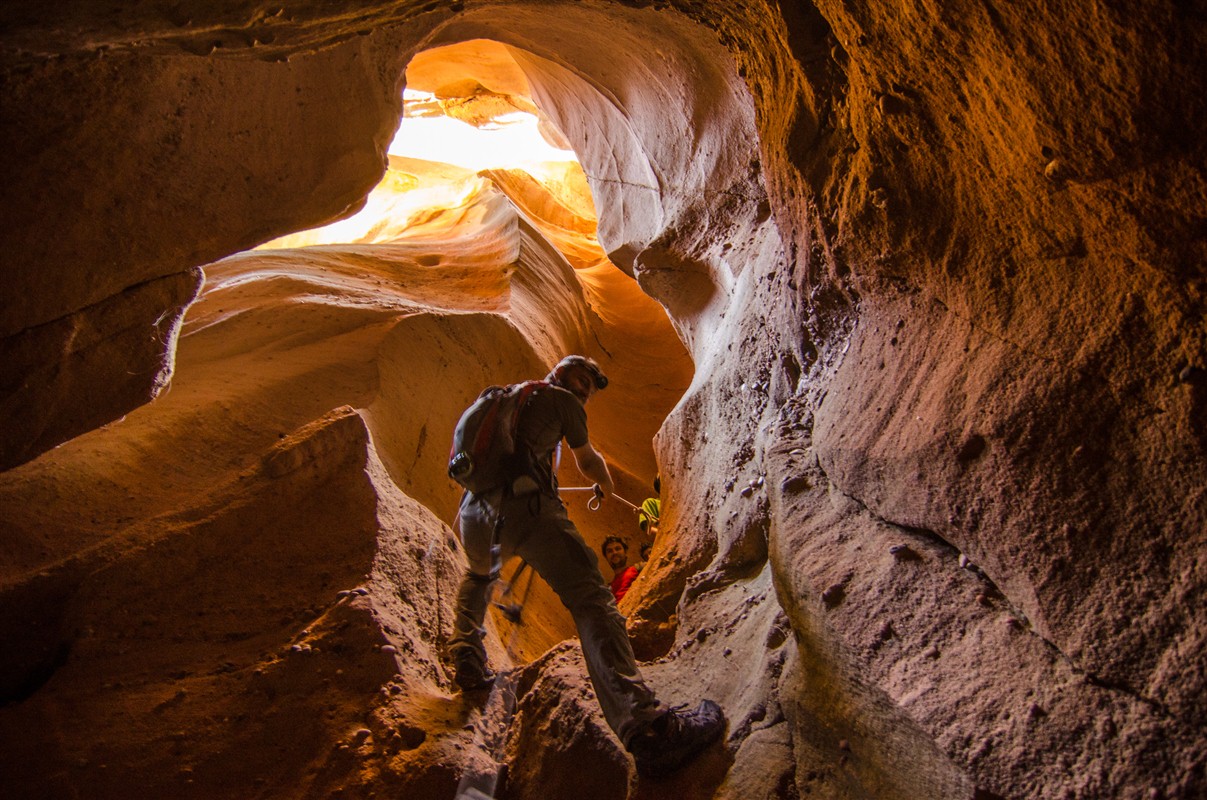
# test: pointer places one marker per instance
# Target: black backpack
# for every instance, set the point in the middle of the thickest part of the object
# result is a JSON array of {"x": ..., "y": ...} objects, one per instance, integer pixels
[{"x": 484, "y": 455}]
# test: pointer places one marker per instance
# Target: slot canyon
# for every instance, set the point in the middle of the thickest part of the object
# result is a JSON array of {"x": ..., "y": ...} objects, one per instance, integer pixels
[{"x": 901, "y": 303}]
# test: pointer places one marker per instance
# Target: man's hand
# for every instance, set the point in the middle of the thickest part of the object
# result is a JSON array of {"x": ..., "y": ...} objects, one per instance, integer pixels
[{"x": 592, "y": 465}]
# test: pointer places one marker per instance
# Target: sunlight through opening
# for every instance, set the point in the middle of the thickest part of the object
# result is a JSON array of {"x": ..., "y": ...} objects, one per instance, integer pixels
[{"x": 439, "y": 164}]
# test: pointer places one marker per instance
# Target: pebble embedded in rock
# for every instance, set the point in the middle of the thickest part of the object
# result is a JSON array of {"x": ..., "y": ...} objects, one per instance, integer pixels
[
  {"x": 747, "y": 491},
  {"x": 964, "y": 562},
  {"x": 794, "y": 484},
  {"x": 1058, "y": 171},
  {"x": 833, "y": 595},
  {"x": 389, "y": 648},
  {"x": 982, "y": 600},
  {"x": 891, "y": 104}
]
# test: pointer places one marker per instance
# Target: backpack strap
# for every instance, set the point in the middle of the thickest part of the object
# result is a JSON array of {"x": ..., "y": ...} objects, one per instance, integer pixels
[
  {"x": 527, "y": 389},
  {"x": 487, "y": 429}
]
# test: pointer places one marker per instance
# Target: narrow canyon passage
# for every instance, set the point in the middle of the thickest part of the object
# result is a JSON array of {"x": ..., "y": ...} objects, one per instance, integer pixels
[{"x": 903, "y": 305}]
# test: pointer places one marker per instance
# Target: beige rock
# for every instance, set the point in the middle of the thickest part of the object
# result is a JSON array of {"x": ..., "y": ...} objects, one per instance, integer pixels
[{"x": 953, "y": 259}]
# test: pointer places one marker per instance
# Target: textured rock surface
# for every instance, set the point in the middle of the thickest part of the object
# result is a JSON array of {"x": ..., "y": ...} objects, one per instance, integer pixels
[{"x": 934, "y": 493}]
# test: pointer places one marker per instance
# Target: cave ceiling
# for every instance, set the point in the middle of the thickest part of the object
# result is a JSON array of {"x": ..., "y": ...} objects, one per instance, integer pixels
[{"x": 904, "y": 305}]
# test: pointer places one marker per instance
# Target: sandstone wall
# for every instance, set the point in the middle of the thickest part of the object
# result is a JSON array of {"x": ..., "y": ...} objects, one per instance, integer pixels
[{"x": 937, "y": 482}]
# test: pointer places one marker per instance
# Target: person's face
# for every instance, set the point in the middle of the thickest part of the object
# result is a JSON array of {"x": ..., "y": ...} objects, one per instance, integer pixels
[
  {"x": 580, "y": 382},
  {"x": 615, "y": 554}
]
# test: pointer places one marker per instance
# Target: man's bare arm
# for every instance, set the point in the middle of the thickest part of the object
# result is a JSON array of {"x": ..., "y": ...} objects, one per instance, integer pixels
[{"x": 592, "y": 465}]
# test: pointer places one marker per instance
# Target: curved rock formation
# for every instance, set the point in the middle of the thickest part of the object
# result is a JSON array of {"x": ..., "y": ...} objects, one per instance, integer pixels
[{"x": 927, "y": 410}]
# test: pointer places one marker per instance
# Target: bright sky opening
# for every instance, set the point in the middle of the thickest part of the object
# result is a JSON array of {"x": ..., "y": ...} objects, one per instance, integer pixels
[{"x": 510, "y": 141}]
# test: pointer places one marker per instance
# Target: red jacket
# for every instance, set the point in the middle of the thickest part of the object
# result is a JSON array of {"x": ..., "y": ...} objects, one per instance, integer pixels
[{"x": 622, "y": 581}]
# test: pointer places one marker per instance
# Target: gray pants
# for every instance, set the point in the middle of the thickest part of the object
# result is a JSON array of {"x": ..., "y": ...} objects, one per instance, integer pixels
[{"x": 536, "y": 528}]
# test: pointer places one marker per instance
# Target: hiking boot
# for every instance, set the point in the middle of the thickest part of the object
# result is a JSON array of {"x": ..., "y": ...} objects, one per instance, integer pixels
[
  {"x": 675, "y": 738},
  {"x": 471, "y": 674}
]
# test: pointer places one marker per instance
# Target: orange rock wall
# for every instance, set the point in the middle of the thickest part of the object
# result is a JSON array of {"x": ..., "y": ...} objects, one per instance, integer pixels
[{"x": 934, "y": 494}]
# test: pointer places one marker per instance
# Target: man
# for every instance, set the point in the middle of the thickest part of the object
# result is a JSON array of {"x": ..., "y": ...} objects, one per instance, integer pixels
[
  {"x": 650, "y": 516},
  {"x": 616, "y": 553},
  {"x": 496, "y": 524}
]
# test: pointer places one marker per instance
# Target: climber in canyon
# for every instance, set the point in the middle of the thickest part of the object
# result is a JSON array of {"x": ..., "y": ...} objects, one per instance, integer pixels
[
  {"x": 650, "y": 515},
  {"x": 616, "y": 553},
  {"x": 497, "y": 523}
]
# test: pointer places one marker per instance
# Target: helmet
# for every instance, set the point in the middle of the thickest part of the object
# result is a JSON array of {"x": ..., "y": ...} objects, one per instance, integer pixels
[{"x": 559, "y": 371}]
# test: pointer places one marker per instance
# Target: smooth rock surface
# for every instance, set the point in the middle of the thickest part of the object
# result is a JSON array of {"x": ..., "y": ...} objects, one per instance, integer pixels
[{"x": 867, "y": 276}]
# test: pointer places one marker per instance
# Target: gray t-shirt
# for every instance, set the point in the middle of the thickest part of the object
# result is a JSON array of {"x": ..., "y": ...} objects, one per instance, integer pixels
[{"x": 551, "y": 414}]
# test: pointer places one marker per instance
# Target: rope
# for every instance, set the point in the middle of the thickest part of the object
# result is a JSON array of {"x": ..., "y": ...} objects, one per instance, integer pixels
[
  {"x": 490, "y": 729},
  {"x": 490, "y": 735},
  {"x": 595, "y": 500}
]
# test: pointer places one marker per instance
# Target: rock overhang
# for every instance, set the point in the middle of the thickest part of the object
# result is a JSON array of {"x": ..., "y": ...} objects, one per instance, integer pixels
[{"x": 889, "y": 293}]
